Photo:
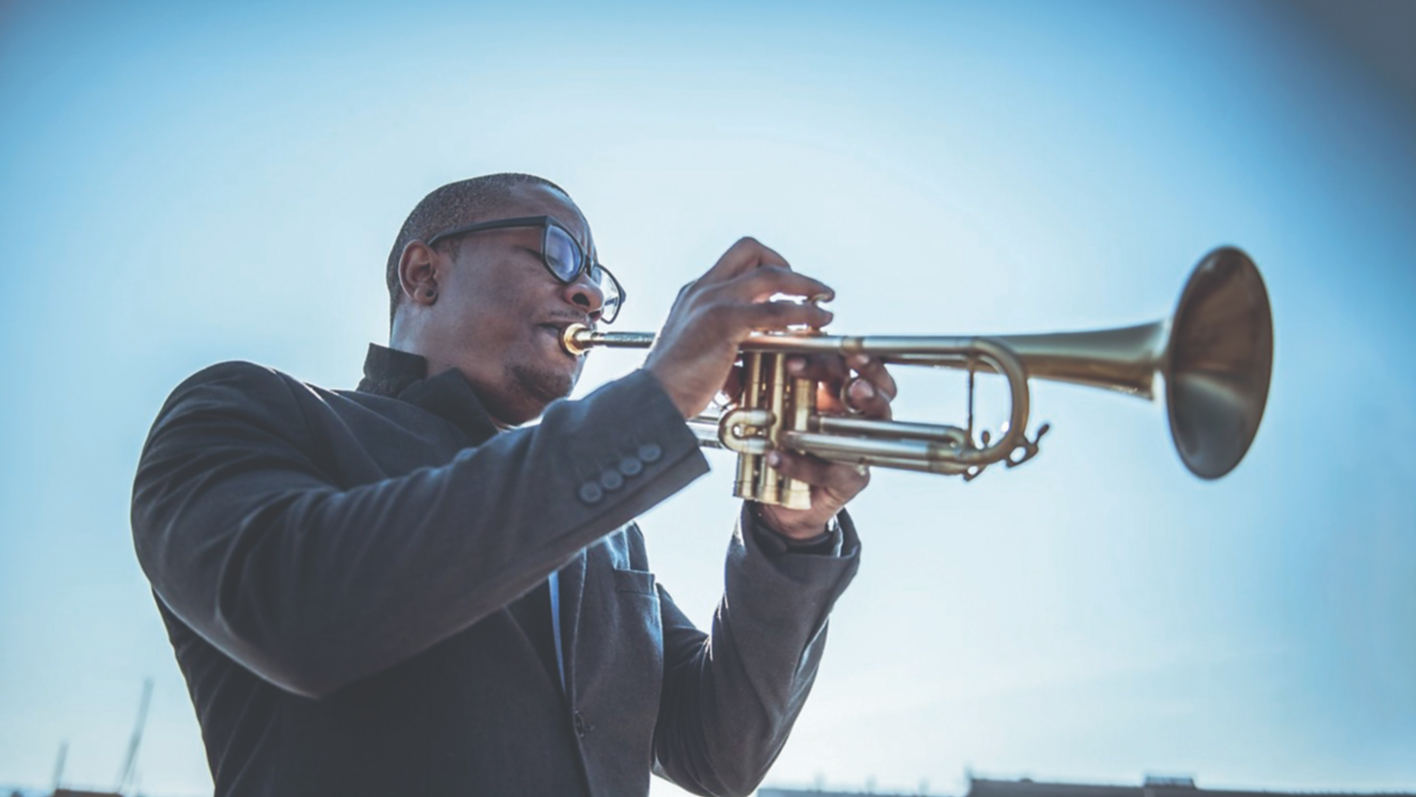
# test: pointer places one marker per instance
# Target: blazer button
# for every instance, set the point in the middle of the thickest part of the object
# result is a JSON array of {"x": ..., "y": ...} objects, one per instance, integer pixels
[
  {"x": 591, "y": 493},
  {"x": 649, "y": 452},
  {"x": 582, "y": 727},
  {"x": 631, "y": 466},
  {"x": 612, "y": 480}
]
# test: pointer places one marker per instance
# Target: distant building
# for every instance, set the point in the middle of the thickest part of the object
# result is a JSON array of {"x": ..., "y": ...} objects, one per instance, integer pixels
[
  {"x": 768, "y": 791},
  {"x": 1027, "y": 787},
  {"x": 1151, "y": 787}
]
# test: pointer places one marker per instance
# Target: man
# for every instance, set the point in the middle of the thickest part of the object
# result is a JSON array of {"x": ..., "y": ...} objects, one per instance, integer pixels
[{"x": 396, "y": 591}]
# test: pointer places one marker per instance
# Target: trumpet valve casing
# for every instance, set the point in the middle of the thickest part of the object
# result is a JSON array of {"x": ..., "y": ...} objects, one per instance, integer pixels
[{"x": 771, "y": 405}]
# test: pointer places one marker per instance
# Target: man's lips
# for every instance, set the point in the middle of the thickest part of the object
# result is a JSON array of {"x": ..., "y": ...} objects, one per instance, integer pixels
[{"x": 556, "y": 329}]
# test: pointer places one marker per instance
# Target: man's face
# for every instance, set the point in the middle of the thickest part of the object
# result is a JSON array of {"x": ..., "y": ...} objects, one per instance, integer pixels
[{"x": 500, "y": 313}]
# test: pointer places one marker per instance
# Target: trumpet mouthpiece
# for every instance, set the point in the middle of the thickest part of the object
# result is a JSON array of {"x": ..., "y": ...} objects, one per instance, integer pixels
[{"x": 574, "y": 339}]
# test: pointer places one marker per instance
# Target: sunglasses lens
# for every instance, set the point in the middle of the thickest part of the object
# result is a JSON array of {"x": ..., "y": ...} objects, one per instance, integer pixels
[
  {"x": 610, "y": 290},
  {"x": 564, "y": 257},
  {"x": 563, "y": 254}
]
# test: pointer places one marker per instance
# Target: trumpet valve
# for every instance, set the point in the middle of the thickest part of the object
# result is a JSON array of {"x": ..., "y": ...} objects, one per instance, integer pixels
[{"x": 740, "y": 430}]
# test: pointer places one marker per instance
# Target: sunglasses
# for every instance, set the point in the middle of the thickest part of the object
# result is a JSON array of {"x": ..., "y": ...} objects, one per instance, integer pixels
[{"x": 561, "y": 255}]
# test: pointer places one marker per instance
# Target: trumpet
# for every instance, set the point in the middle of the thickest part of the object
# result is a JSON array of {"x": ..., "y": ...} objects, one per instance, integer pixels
[{"x": 1212, "y": 358}]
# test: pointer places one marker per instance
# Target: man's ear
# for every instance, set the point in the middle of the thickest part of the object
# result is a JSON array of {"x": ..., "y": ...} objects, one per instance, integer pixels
[{"x": 418, "y": 273}]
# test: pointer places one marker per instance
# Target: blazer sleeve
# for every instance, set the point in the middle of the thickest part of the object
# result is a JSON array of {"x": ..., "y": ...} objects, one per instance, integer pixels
[
  {"x": 730, "y": 697},
  {"x": 249, "y": 542}
]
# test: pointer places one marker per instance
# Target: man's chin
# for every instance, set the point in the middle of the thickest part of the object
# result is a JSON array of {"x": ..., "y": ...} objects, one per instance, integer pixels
[{"x": 545, "y": 385}]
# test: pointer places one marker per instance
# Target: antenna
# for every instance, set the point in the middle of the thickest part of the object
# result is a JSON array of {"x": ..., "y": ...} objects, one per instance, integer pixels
[
  {"x": 126, "y": 776},
  {"x": 59, "y": 765}
]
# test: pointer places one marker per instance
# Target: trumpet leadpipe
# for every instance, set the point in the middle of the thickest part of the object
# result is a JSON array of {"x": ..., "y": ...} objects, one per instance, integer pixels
[{"x": 579, "y": 339}]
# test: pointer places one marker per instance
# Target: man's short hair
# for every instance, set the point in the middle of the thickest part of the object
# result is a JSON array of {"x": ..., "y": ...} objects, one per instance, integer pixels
[{"x": 453, "y": 205}]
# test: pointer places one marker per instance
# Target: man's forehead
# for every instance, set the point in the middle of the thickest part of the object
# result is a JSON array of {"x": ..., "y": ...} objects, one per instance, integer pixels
[{"x": 535, "y": 199}]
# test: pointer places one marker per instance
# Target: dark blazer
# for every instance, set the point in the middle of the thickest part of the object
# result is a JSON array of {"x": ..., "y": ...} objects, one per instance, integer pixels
[{"x": 338, "y": 571}]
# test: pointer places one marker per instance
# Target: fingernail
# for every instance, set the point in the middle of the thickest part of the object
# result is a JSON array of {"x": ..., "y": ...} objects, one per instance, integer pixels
[
  {"x": 859, "y": 360},
  {"x": 863, "y": 389},
  {"x": 774, "y": 459},
  {"x": 796, "y": 365}
]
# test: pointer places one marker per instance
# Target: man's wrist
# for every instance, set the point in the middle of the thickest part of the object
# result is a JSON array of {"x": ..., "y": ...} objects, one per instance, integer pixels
[
  {"x": 799, "y": 527},
  {"x": 776, "y": 542}
]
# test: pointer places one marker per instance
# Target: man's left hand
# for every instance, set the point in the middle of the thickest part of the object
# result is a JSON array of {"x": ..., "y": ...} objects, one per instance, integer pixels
[{"x": 870, "y": 390}]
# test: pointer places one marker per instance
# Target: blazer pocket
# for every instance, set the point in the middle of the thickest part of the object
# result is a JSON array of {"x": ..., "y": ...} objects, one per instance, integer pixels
[{"x": 638, "y": 581}]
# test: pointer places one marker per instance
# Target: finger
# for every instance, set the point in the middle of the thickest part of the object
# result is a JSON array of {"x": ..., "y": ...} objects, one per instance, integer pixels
[
  {"x": 868, "y": 400},
  {"x": 874, "y": 370},
  {"x": 829, "y": 369},
  {"x": 779, "y": 315},
  {"x": 844, "y": 481},
  {"x": 733, "y": 383},
  {"x": 771, "y": 280},
  {"x": 744, "y": 255}
]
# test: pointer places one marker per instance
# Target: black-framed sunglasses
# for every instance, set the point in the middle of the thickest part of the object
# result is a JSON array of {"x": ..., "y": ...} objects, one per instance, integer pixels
[{"x": 561, "y": 255}]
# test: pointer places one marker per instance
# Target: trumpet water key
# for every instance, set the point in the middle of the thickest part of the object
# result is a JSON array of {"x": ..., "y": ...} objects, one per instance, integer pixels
[{"x": 1212, "y": 356}]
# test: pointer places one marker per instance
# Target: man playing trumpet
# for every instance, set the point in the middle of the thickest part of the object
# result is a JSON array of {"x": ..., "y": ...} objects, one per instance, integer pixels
[{"x": 402, "y": 589}]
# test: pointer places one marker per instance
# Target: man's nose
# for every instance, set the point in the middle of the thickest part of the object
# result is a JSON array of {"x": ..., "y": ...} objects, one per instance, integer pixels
[{"x": 584, "y": 296}]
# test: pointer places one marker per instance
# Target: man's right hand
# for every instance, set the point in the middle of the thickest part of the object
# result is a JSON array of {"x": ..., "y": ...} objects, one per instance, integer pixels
[{"x": 694, "y": 354}]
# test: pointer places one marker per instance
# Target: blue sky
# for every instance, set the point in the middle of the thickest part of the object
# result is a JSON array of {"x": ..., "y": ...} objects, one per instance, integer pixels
[{"x": 180, "y": 186}]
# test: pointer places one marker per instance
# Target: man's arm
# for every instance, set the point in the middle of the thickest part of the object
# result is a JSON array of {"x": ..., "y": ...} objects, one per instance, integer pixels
[
  {"x": 248, "y": 540},
  {"x": 730, "y": 698}
]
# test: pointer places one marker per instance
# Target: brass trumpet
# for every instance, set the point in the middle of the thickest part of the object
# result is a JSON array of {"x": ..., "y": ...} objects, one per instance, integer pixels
[{"x": 1213, "y": 356}]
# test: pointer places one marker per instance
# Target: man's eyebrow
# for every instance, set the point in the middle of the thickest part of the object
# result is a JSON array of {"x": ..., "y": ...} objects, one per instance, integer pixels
[{"x": 517, "y": 232}]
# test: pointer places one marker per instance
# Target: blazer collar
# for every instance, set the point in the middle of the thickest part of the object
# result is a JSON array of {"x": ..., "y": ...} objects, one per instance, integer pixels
[{"x": 404, "y": 376}]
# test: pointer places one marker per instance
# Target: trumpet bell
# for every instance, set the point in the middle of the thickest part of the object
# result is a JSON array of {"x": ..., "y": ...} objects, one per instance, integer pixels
[
  {"x": 1220, "y": 353},
  {"x": 1213, "y": 356}
]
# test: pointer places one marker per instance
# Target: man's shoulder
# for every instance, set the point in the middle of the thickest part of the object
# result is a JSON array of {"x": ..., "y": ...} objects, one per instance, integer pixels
[
  {"x": 254, "y": 391},
  {"x": 243, "y": 387},
  {"x": 236, "y": 382},
  {"x": 242, "y": 377},
  {"x": 235, "y": 372}
]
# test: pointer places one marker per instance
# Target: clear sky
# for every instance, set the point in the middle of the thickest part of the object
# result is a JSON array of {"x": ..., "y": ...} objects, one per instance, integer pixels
[{"x": 182, "y": 185}]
